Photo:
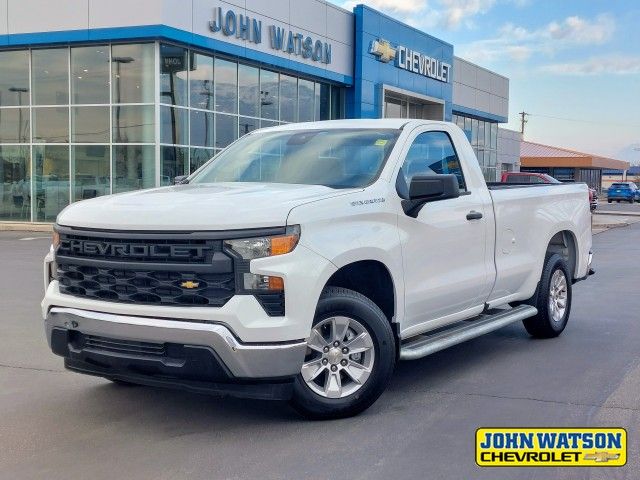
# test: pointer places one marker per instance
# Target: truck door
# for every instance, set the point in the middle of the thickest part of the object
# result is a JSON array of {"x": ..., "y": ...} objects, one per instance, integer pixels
[{"x": 444, "y": 247}]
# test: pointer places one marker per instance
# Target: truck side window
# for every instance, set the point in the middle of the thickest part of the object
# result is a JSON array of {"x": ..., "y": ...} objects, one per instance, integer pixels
[{"x": 432, "y": 153}]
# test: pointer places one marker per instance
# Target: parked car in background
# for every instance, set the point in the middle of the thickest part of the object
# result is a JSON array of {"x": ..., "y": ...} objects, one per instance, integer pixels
[
  {"x": 527, "y": 177},
  {"x": 534, "y": 178},
  {"x": 625, "y": 191}
]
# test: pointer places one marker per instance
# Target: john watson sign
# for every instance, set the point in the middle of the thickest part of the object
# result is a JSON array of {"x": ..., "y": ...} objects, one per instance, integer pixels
[
  {"x": 411, "y": 60},
  {"x": 243, "y": 27}
]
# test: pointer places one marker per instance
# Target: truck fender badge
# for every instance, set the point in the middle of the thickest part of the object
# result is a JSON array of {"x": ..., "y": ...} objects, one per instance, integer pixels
[{"x": 369, "y": 201}]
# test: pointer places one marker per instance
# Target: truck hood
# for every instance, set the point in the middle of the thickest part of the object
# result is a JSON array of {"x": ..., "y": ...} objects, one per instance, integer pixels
[{"x": 219, "y": 206}]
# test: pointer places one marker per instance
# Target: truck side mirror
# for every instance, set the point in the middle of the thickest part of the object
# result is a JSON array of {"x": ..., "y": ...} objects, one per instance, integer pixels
[
  {"x": 429, "y": 188},
  {"x": 180, "y": 179}
]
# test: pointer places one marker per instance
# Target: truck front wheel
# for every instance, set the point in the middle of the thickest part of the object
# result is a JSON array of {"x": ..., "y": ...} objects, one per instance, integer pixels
[
  {"x": 350, "y": 357},
  {"x": 552, "y": 299}
]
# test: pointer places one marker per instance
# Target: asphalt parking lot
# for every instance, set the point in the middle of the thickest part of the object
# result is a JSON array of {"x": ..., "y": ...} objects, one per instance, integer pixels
[
  {"x": 618, "y": 207},
  {"x": 58, "y": 425}
]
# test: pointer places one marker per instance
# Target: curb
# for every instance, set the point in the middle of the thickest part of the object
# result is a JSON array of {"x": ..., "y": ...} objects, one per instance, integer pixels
[
  {"x": 25, "y": 227},
  {"x": 620, "y": 214}
]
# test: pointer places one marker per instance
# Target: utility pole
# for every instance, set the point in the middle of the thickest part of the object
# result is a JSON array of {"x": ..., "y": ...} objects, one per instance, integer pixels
[{"x": 523, "y": 120}]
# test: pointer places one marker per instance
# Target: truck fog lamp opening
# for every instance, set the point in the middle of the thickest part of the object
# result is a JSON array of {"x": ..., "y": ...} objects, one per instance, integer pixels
[
  {"x": 252, "y": 281},
  {"x": 260, "y": 247}
]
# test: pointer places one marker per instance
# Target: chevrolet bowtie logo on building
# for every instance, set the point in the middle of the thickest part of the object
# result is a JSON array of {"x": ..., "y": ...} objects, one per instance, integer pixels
[
  {"x": 383, "y": 50},
  {"x": 190, "y": 284},
  {"x": 601, "y": 457}
]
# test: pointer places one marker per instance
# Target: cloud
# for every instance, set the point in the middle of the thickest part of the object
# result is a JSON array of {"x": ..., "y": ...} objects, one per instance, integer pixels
[
  {"x": 455, "y": 12},
  {"x": 602, "y": 65},
  {"x": 450, "y": 14},
  {"x": 582, "y": 31},
  {"x": 518, "y": 43},
  {"x": 396, "y": 6}
]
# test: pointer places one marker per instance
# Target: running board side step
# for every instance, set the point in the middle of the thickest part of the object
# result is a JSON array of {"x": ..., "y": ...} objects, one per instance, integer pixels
[{"x": 427, "y": 344}]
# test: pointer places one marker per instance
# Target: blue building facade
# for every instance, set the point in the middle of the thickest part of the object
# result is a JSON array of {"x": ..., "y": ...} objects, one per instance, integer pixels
[{"x": 374, "y": 74}]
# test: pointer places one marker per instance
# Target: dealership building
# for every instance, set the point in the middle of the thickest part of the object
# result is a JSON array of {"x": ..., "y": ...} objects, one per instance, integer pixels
[{"x": 106, "y": 96}]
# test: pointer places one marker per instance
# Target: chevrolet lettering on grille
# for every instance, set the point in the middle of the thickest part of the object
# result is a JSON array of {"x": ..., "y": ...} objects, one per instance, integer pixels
[{"x": 137, "y": 250}]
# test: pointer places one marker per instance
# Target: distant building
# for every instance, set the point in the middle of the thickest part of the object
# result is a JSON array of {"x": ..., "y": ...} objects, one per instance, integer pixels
[
  {"x": 568, "y": 165},
  {"x": 509, "y": 142}
]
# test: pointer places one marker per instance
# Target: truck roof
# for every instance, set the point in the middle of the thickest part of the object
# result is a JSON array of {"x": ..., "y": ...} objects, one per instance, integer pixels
[{"x": 394, "y": 123}]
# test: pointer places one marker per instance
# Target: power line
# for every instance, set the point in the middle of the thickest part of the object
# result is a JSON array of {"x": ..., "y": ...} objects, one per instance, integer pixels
[{"x": 596, "y": 122}]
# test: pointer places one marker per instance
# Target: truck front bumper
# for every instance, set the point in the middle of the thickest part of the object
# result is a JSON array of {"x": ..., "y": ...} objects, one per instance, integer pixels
[{"x": 196, "y": 356}]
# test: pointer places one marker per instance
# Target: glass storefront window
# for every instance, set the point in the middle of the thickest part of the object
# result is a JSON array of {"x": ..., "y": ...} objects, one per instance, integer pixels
[
  {"x": 199, "y": 156},
  {"x": 133, "y": 123},
  {"x": 51, "y": 187},
  {"x": 337, "y": 102},
  {"x": 392, "y": 107},
  {"x": 323, "y": 101},
  {"x": 480, "y": 134},
  {"x": 249, "y": 90},
  {"x": 247, "y": 125},
  {"x": 201, "y": 125},
  {"x": 50, "y": 76},
  {"x": 90, "y": 74},
  {"x": 134, "y": 167},
  {"x": 90, "y": 164},
  {"x": 269, "y": 95},
  {"x": 91, "y": 127},
  {"x": 226, "y": 130},
  {"x": 174, "y": 162},
  {"x": 174, "y": 65},
  {"x": 14, "y": 78},
  {"x": 174, "y": 126},
  {"x": 133, "y": 72},
  {"x": 306, "y": 99},
  {"x": 288, "y": 98},
  {"x": 494, "y": 135},
  {"x": 15, "y": 183},
  {"x": 226, "y": 86},
  {"x": 51, "y": 125},
  {"x": 90, "y": 124},
  {"x": 201, "y": 81},
  {"x": 487, "y": 134},
  {"x": 14, "y": 125}
]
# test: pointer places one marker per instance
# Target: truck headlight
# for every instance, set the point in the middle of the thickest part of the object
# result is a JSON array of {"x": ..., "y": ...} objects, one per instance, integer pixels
[{"x": 260, "y": 247}]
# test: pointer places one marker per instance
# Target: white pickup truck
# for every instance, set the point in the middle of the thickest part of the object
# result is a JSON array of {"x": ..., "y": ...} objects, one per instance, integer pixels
[{"x": 304, "y": 260}]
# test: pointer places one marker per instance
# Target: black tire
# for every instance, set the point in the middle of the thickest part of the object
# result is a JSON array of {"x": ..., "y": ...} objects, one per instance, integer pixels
[
  {"x": 543, "y": 325},
  {"x": 609, "y": 201},
  {"x": 336, "y": 301}
]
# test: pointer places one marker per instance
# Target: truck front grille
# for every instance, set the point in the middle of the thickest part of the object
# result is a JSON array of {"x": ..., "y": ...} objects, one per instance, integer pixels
[
  {"x": 176, "y": 269},
  {"x": 144, "y": 286}
]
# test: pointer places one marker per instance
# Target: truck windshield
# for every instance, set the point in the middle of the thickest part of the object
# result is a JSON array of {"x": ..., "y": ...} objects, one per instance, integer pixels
[{"x": 336, "y": 158}]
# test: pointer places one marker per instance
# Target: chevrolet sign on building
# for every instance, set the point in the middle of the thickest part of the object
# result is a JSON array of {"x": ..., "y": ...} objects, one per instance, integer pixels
[{"x": 411, "y": 60}]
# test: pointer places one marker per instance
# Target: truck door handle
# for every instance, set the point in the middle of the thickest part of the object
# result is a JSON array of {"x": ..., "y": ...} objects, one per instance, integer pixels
[{"x": 473, "y": 215}]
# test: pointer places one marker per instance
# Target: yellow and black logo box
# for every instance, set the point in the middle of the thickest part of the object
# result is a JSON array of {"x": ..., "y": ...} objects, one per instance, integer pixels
[{"x": 547, "y": 447}]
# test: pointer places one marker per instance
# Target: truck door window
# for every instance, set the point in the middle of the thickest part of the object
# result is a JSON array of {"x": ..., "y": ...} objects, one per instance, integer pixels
[{"x": 432, "y": 153}]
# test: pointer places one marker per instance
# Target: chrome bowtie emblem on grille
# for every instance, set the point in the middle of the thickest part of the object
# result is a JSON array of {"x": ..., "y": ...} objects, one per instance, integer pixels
[
  {"x": 190, "y": 284},
  {"x": 601, "y": 457},
  {"x": 383, "y": 50}
]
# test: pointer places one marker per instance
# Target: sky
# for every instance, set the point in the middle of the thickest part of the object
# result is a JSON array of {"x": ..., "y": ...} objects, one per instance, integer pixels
[{"x": 573, "y": 65}]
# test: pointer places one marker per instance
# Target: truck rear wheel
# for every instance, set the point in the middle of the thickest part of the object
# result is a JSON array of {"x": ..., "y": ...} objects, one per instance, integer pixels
[
  {"x": 552, "y": 299},
  {"x": 350, "y": 357}
]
